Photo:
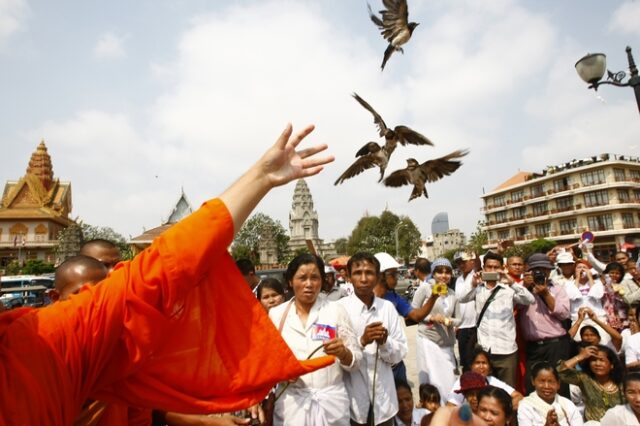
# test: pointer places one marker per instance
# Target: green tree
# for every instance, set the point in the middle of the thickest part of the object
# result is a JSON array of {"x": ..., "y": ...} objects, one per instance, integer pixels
[
  {"x": 378, "y": 233},
  {"x": 37, "y": 267},
  {"x": 71, "y": 238},
  {"x": 540, "y": 245},
  {"x": 478, "y": 239},
  {"x": 259, "y": 229},
  {"x": 341, "y": 245}
]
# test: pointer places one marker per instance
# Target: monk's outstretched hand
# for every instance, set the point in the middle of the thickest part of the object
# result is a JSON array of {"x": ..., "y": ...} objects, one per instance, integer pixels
[{"x": 282, "y": 163}]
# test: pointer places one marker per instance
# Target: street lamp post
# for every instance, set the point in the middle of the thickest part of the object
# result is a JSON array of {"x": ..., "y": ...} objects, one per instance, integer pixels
[
  {"x": 398, "y": 226},
  {"x": 592, "y": 67}
]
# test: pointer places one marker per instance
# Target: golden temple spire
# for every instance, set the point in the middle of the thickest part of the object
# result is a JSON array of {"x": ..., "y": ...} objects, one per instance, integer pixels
[{"x": 40, "y": 165}]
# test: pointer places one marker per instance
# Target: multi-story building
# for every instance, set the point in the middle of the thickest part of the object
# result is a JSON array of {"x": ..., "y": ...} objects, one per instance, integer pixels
[
  {"x": 438, "y": 244},
  {"x": 596, "y": 194}
]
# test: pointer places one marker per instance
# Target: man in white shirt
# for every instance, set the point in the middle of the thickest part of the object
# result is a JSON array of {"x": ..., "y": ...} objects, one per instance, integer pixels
[
  {"x": 497, "y": 327},
  {"x": 465, "y": 262},
  {"x": 381, "y": 335}
]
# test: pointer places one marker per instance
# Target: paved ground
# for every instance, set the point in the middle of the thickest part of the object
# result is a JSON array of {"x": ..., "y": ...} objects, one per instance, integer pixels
[{"x": 410, "y": 360}]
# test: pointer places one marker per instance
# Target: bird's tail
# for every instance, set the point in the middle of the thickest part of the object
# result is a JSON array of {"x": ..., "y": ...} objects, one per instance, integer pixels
[{"x": 387, "y": 55}]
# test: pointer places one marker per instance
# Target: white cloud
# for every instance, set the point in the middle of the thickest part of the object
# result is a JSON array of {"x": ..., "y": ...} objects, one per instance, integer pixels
[
  {"x": 12, "y": 16},
  {"x": 110, "y": 46},
  {"x": 626, "y": 18}
]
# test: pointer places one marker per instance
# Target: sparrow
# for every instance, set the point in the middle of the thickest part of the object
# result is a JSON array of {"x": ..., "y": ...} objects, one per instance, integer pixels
[
  {"x": 394, "y": 26},
  {"x": 369, "y": 156},
  {"x": 430, "y": 171}
]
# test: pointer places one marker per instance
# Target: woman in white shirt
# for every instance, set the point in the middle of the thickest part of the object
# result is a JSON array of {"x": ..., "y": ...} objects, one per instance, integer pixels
[
  {"x": 313, "y": 326},
  {"x": 586, "y": 292},
  {"x": 544, "y": 407},
  {"x": 629, "y": 413}
]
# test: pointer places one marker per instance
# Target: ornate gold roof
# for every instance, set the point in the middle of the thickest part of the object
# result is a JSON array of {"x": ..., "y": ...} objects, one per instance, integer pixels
[{"x": 37, "y": 194}]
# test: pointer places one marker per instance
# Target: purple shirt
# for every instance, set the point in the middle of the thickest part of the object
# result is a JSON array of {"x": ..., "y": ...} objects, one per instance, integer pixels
[{"x": 538, "y": 323}]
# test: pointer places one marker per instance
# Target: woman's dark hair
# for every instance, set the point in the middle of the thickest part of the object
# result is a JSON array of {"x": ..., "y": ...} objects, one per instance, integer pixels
[
  {"x": 631, "y": 377},
  {"x": 304, "y": 259},
  {"x": 363, "y": 257},
  {"x": 429, "y": 393},
  {"x": 546, "y": 366},
  {"x": 589, "y": 328},
  {"x": 492, "y": 255},
  {"x": 479, "y": 351},
  {"x": 403, "y": 384},
  {"x": 617, "y": 373},
  {"x": 501, "y": 396},
  {"x": 272, "y": 283},
  {"x": 614, "y": 266}
]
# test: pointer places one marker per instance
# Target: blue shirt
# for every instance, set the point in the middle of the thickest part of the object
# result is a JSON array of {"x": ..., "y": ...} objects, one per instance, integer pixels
[{"x": 400, "y": 303}]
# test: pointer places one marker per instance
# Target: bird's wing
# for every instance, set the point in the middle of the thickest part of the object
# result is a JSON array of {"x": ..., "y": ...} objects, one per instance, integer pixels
[
  {"x": 436, "y": 169},
  {"x": 374, "y": 18},
  {"x": 360, "y": 165},
  {"x": 398, "y": 178},
  {"x": 395, "y": 18},
  {"x": 407, "y": 135},
  {"x": 369, "y": 148},
  {"x": 377, "y": 119}
]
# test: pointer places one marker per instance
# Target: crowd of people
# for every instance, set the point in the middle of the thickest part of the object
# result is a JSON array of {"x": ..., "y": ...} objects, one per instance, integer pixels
[
  {"x": 548, "y": 340},
  {"x": 175, "y": 334}
]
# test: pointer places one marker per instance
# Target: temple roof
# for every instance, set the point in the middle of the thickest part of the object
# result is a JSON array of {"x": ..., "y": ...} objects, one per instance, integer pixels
[{"x": 37, "y": 194}]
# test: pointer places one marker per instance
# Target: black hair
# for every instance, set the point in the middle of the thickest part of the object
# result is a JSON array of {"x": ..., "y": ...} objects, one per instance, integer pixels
[
  {"x": 544, "y": 366},
  {"x": 423, "y": 265},
  {"x": 400, "y": 383},
  {"x": 304, "y": 259},
  {"x": 622, "y": 252},
  {"x": 631, "y": 377},
  {"x": 492, "y": 255},
  {"x": 272, "y": 283},
  {"x": 501, "y": 396},
  {"x": 479, "y": 351},
  {"x": 590, "y": 328},
  {"x": 246, "y": 266},
  {"x": 429, "y": 393},
  {"x": 614, "y": 266},
  {"x": 363, "y": 257},
  {"x": 617, "y": 373}
]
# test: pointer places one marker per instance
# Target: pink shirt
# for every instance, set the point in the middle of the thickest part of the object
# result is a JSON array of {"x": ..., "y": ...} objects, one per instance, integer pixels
[{"x": 538, "y": 323}]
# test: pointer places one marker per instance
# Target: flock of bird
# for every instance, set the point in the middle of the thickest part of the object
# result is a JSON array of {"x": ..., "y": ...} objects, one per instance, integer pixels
[{"x": 395, "y": 27}]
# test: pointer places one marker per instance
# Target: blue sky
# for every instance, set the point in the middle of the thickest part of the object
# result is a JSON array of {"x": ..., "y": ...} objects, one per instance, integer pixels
[{"x": 138, "y": 99}]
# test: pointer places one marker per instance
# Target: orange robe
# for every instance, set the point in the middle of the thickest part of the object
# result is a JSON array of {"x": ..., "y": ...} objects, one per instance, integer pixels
[{"x": 176, "y": 328}]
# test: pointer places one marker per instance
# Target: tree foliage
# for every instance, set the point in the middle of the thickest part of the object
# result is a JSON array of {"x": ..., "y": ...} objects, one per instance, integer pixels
[
  {"x": 540, "y": 245},
  {"x": 378, "y": 233},
  {"x": 341, "y": 246},
  {"x": 260, "y": 229},
  {"x": 478, "y": 239},
  {"x": 71, "y": 238}
]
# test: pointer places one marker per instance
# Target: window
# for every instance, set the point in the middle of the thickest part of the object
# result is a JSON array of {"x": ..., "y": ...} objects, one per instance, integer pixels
[
  {"x": 564, "y": 204},
  {"x": 634, "y": 174},
  {"x": 619, "y": 175},
  {"x": 540, "y": 208},
  {"x": 592, "y": 178},
  {"x": 501, "y": 217},
  {"x": 623, "y": 195},
  {"x": 522, "y": 232},
  {"x": 542, "y": 230},
  {"x": 517, "y": 196},
  {"x": 596, "y": 198},
  {"x": 568, "y": 226},
  {"x": 600, "y": 223},
  {"x": 499, "y": 200},
  {"x": 537, "y": 190},
  {"x": 561, "y": 184},
  {"x": 636, "y": 194},
  {"x": 503, "y": 235},
  {"x": 627, "y": 220},
  {"x": 519, "y": 212}
]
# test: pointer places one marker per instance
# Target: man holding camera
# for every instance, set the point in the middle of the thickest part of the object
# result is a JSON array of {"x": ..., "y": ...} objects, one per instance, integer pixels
[
  {"x": 541, "y": 321},
  {"x": 496, "y": 295}
]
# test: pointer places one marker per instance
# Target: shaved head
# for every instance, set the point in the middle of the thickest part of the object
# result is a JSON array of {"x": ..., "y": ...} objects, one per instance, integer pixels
[
  {"x": 75, "y": 272},
  {"x": 104, "y": 251}
]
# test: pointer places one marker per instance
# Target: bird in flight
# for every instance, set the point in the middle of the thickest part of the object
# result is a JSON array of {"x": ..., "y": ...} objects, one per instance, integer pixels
[
  {"x": 394, "y": 26},
  {"x": 418, "y": 175}
]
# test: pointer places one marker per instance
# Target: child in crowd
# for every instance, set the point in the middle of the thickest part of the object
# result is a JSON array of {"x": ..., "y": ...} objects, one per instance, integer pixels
[{"x": 408, "y": 415}]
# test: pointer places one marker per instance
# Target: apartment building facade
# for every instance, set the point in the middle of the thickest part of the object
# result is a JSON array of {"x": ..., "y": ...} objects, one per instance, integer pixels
[{"x": 597, "y": 194}]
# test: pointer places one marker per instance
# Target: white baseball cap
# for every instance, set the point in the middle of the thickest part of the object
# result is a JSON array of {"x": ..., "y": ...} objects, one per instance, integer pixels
[{"x": 386, "y": 261}]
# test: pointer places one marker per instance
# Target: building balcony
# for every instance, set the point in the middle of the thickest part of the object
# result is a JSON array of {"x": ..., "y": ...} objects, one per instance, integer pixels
[{"x": 27, "y": 244}]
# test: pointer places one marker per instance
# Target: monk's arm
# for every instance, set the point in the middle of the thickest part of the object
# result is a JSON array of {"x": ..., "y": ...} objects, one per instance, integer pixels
[{"x": 279, "y": 165}]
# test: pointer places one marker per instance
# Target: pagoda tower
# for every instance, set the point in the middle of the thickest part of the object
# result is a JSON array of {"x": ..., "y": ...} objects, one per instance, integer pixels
[{"x": 303, "y": 221}]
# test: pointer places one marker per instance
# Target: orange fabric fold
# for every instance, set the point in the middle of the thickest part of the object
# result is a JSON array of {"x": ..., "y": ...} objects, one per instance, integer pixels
[{"x": 177, "y": 329}]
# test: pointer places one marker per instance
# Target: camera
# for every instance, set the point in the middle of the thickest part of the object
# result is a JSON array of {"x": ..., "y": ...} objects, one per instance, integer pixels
[
  {"x": 440, "y": 289},
  {"x": 490, "y": 276},
  {"x": 539, "y": 277}
]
